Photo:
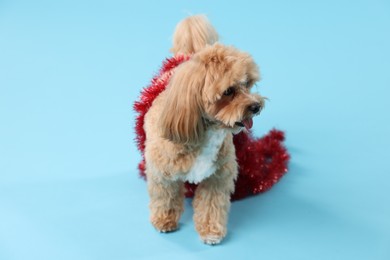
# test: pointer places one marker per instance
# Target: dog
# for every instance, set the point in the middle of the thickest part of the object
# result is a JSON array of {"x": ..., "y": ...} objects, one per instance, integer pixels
[{"x": 189, "y": 130}]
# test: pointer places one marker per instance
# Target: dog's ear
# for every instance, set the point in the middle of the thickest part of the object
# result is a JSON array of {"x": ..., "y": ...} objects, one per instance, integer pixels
[{"x": 181, "y": 115}]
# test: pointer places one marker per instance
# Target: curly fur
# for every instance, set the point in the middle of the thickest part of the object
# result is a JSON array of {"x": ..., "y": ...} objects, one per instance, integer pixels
[{"x": 189, "y": 130}]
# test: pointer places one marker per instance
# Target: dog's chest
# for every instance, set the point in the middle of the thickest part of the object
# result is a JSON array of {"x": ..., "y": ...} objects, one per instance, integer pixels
[{"x": 204, "y": 164}]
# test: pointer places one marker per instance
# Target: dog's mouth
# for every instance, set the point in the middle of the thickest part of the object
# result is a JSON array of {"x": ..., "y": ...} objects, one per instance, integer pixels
[{"x": 247, "y": 123}]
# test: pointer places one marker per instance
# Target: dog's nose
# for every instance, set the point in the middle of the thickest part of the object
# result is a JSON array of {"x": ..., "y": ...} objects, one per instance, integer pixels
[{"x": 254, "y": 108}]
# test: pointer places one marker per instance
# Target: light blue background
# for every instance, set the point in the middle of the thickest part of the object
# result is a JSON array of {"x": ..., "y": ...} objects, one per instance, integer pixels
[{"x": 71, "y": 70}]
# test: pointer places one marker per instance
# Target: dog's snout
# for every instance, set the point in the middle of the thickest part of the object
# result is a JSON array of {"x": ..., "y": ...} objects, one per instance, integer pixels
[{"x": 254, "y": 108}]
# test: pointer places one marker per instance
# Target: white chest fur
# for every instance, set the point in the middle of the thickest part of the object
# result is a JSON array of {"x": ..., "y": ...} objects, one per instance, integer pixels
[{"x": 204, "y": 164}]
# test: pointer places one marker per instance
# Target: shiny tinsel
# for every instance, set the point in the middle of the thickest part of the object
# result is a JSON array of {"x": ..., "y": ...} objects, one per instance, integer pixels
[{"x": 262, "y": 161}]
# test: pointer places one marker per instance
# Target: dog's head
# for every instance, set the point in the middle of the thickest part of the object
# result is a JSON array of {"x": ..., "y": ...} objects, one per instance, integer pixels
[{"x": 213, "y": 87}]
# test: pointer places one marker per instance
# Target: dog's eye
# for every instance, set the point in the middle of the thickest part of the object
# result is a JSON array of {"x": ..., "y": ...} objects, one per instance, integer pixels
[
  {"x": 248, "y": 84},
  {"x": 230, "y": 91}
]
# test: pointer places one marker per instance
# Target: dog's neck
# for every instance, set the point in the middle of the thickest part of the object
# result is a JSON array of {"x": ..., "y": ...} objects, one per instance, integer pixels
[
  {"x": 209, "y": 126},
  {"x": 205, "y": 163},
  {"x": 208, "y": 122}
]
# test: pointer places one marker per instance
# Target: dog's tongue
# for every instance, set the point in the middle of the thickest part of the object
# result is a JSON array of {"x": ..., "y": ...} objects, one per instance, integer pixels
[{"x": 248, "y": 123}]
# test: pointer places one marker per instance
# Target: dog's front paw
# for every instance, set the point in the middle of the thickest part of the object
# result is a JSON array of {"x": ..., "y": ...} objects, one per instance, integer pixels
[
  {"x": 166, "y": 222},
  {"x": 165, "y": 226},
  {"x": 210, "y": 233},
  {"x": 212, "y": 239}
]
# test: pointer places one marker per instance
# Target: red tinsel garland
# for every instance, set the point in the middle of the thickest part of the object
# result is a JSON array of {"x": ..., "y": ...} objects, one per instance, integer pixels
[{"x": 262, "y": 161}]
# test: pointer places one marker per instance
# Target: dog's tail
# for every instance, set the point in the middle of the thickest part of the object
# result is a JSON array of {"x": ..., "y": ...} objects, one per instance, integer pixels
[{"x": 193, "y": 34}]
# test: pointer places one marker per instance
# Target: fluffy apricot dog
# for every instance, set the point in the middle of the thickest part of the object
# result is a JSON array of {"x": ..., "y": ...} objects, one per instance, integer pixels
[{"x": 189, "y": 130}]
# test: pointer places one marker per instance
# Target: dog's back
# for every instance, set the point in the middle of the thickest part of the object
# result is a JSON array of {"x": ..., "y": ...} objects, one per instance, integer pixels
[{"x": 193, "y": 34}]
